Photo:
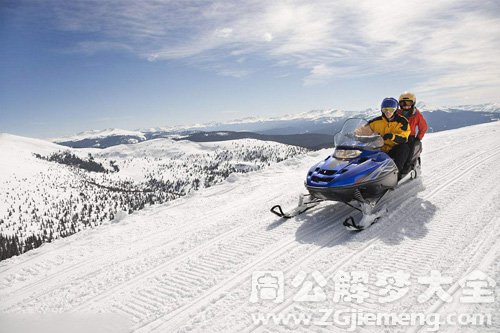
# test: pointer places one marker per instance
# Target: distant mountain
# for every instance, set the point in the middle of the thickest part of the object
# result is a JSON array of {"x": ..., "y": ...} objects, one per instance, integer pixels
[
  {"x": 296, "y": 129},
  {"x": 486, "y": 107},
  {"x": 101, "y": 138},
  {"x": 315, "y": 121},
  {"x": 441, "y": 120},
  {"x": 313, "y": 141}
]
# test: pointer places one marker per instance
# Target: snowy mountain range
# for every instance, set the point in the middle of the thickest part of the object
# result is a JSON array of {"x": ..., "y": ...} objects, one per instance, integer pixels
[
  {"x": 289, "y": 129},
  {"x": 217, "y": 260}
]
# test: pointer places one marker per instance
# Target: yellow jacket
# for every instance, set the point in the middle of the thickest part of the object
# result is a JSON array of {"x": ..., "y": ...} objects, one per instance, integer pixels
[{"x": 398, "y": 126}]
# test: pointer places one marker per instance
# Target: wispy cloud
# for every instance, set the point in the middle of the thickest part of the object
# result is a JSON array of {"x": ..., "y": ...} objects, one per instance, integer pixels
[
  {"x": 92, "y": 47},
  {"x": 447, "y": 46}
]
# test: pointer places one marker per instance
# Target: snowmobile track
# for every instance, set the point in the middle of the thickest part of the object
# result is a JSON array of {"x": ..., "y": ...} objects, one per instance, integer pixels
[
  {"x": 237, "y": 277},
  {"x": 454, "y": 288},
  {"x": 333, "y": 239},
  {"x": 195, "y": 251}
]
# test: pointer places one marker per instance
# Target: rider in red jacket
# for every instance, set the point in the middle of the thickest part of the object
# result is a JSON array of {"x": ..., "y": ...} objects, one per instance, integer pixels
[
  {"x": 408, "y": 110},
  {"x": 418, "y": 125}
]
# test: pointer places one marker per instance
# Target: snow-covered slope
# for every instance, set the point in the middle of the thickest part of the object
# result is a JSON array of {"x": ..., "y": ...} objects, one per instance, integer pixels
[
  {"x": 188, "y": 266},
  {"x": 44, "y": 198}
]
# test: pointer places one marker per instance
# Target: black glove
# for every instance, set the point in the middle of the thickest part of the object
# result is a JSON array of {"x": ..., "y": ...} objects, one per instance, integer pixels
[
  {"x": 417, "y": 140},
  {"x": 387, "y": 136}
]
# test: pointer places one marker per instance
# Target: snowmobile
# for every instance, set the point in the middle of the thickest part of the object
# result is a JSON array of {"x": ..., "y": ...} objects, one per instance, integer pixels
[{"x": 358, "y": 174}]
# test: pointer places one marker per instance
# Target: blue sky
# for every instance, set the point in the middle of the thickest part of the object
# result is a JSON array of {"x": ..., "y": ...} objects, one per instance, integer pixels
[{"x": 69, "y": 66}]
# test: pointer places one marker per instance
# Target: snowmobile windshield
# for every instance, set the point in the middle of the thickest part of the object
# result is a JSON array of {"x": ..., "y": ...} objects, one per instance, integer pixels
[{"x": 357, "y": 134}]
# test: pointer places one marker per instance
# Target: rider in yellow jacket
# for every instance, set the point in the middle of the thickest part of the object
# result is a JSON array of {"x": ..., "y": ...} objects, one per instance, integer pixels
[{"x": 394, "y": 129}]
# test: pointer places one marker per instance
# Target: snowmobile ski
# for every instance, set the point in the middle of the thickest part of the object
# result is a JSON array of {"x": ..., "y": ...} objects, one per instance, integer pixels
[
  {"x": 302, "y": 206},
  {"x": 366, "y": 221},
  {"x": 414, "y": 173}
]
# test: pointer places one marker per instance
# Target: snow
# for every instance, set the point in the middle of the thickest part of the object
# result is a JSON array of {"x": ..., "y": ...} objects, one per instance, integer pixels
[
  {"x": 328, "y": 115},
  {"x": 308, "y": 115},
  {"x": 187, "y": 266},
  {"x": 142, "y": 158},
  {"x": 17, "y": 155},
  {"x": 486, "y": 107},
  {"x": 97, "y": 134},
  {"x": 49, "y": 200}
]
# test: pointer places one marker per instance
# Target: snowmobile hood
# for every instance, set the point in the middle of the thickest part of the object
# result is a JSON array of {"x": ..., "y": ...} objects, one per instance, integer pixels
[{"x": 366, "y": 168}]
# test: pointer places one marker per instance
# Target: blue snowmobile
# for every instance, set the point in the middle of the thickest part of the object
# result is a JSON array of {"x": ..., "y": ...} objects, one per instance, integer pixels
[{"x": 358, "y": 173}]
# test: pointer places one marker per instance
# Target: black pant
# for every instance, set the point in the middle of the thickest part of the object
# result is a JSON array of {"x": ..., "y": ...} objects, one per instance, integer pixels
[
  {"x": 399, "y": 154},
  {"x": 411, "y": 144},
  {"x": 414, "y": 145}
]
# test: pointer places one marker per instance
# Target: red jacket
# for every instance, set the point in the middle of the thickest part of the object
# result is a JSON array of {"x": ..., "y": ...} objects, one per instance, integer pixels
[{"x": 417, "y": 120}]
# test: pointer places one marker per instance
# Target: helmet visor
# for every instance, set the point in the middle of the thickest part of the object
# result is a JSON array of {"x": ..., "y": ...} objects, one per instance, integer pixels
[
  {"x": 389, "y": 111},
  {"x": 405, "y": 103}
]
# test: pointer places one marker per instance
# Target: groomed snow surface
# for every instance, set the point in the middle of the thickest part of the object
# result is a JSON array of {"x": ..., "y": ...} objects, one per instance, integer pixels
[{"x": 188, "y": 265}]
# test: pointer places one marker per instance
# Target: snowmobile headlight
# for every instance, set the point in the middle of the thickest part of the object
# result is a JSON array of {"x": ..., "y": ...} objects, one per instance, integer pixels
[{"x": 345, "y": 154}]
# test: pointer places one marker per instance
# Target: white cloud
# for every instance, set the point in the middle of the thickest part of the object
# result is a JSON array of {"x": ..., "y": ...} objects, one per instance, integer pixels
[
  {"x": 223, "y": 33},
  {"x": 237, "y": 73},
  {"x": 268, "y": 37},
  {"x": 319, "y": 73},
  {"x": 454, "y": 45},
  {"x": 92, "y": 47}
]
